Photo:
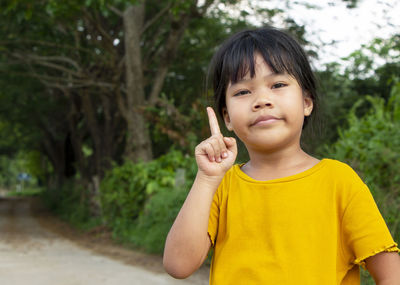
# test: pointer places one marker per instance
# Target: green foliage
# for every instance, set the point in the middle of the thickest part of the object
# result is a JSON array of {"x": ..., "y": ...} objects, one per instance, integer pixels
[
  {"x": 140, "y": 201},
  {"x": 28, "y": 192},
  {"x": 70, "y": 204},
  {"x": 152, "y": 226},
  {"x": 8, "y": 173},
  {"x": 374, "y": 65},
  {"x": 371, "y": 144},
  {"x": 18, "y": 110},
  {"x": 369, "y": 71},
  {"x": 338, "y": 96},
  {"x": 11, "y": 167},
  {"x": 37, "y": 165},
  {"x": 366, "y": 278},
  {"x": 161, "y": 209},
  {"x": 123, "y": 192}
]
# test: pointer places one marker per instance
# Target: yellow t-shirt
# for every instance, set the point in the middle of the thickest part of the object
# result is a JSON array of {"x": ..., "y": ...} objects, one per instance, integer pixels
[{"x": 315, "y": 227}]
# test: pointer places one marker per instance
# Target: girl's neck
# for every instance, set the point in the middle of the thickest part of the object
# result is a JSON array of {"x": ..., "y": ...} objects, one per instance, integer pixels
[{"x": 277, "y": 164}]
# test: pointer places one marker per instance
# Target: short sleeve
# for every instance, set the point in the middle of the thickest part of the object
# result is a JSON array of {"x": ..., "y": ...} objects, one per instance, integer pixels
[
  {"x": 214, "y": 217},
  {"x": 365, "y": 232}
]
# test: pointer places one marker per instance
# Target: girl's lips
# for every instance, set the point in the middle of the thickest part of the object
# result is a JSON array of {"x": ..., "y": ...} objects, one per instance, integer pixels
[{"x": 262, "y": 120}]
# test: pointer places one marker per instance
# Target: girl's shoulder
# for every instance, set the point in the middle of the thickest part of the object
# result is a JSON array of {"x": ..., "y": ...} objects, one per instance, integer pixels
[
  {"x": 338, "y": 166},
  {"x": 341, "y": 172}
]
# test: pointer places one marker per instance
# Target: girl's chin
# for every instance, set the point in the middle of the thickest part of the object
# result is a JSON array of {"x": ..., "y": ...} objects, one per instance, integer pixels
[{"x": 269, "y": 144}]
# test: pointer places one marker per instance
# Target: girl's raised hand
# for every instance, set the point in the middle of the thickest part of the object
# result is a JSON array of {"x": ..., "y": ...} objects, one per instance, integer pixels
[{"x": 215, "y": 155}]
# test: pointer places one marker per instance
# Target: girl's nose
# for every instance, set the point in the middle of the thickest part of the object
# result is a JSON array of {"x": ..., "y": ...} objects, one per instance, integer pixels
[{"x": 261, "y": 102}]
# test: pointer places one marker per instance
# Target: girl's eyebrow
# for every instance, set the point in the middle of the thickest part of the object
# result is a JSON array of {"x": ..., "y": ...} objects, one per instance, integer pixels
[{"x": 243, "y": 81}]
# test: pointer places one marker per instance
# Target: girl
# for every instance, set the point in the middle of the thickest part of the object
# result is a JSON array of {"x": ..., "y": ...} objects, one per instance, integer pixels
[{"x": 284, "y": 217}]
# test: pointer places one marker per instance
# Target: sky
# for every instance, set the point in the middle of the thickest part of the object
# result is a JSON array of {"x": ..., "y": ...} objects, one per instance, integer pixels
[
  {"x": 349, "y": 27},
  {"x": 332, "y": 21}
]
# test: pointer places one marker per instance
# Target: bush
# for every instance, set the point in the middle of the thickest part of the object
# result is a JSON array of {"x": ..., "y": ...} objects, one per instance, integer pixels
[
  {"x": 122, "y": 192},
  {"x": 151, "y": 229},
  {"x": 70, "y": 203},
  {"x": 371, "y": 145},
  {"x": 140, "y": 201}
]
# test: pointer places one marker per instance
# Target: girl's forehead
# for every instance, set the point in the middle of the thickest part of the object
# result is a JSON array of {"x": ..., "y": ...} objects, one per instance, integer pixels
[
  {"x": 257, "y": 62},
  {"x": 259, "y": 59},
  {"x": 260, "y": 68},
  {"x": 249, "y": 65},
  {"x": 260, "y": 65}
]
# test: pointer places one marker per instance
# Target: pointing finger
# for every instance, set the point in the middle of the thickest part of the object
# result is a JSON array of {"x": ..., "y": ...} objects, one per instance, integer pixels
[{"x": 212, "y": 119}]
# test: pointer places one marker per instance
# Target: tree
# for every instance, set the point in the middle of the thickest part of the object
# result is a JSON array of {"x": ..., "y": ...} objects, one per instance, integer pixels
[
  {"x": 111, "y": 78},
  {"x": 108, "y": 61},
  {"x": 340, "y": 89}
]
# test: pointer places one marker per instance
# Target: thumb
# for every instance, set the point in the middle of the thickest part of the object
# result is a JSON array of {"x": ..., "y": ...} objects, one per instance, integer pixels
[{"x": 230, "y": 144}]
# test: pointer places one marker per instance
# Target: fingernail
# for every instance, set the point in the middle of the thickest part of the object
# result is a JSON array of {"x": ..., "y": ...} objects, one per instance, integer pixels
[
  {"x": 219, "y": 159},
  {"x": 224, "y": 155}
]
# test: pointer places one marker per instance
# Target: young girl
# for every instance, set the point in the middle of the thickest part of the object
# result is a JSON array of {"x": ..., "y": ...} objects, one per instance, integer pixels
[{"x": 284, "y": 217}]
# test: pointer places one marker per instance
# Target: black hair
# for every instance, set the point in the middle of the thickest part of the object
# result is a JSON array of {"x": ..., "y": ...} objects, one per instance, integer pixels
[{"x": 283, "y": 54}]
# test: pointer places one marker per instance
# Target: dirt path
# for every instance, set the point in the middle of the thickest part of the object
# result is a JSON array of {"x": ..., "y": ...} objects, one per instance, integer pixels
[{"x": 38, "y": 249}]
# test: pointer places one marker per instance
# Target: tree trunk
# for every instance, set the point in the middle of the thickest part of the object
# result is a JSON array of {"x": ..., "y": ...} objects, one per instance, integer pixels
[
  {"x": 76, "y": 135},
  {"x": 55, "y": 153},
  {"x": 138, "y": 144},
  {"x": 94, "y": 130}
]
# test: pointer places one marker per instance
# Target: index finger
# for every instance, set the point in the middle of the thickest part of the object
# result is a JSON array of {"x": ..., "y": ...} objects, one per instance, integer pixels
[{"x": 212, "y": 120}]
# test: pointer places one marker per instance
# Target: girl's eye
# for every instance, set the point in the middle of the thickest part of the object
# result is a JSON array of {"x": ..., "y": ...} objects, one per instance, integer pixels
[
  {"x": 243, "y": 92},
  {"x": 278, "y": 85}
]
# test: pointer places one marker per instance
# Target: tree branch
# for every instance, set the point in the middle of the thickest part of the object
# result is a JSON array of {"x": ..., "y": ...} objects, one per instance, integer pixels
[
  {"x": 121, "y": 105},
  {"x": 116, "y": 11},
  {"x": 49, "y": 44},
  {"x": 153, "y": 48},
  {"x": 156, "y": 17},
  {"x": 44, "y": 61},
  {"x": 96, "y": 24},
  {"x": 57, "y": 58},
  {"x": 178, "y": 28},
  {"x": 67, "y": 83}
]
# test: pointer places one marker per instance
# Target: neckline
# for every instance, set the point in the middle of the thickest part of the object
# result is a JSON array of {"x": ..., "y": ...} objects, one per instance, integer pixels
[{"x": 296, "y": 176}]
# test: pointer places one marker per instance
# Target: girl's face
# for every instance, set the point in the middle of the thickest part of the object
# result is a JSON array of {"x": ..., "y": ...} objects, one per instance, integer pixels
[{"x": 267, "y": 111}]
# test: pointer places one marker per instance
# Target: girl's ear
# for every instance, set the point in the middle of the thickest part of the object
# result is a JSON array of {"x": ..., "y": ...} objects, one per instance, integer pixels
[
  {"x": 308, "y": 105},
  {"x": 227, "y": 119}
]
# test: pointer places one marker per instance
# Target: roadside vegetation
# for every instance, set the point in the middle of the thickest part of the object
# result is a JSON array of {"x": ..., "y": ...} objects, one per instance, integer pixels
[{"x": 105, "y": 147}]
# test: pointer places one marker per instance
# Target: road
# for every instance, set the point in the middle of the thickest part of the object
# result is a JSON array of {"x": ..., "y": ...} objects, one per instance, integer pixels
[{"x": 31, "y": 253}]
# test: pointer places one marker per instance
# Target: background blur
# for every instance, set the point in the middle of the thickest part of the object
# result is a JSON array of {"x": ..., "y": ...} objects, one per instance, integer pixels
[{"x": 102, "y": 102}]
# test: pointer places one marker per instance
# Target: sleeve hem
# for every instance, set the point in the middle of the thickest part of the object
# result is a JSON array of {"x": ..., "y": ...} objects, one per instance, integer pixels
[{"x": 391, "y": 248}]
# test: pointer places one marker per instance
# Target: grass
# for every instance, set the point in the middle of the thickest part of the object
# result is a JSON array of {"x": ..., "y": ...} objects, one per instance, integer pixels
[
  {"x": 366, "y": 278},
  {"x": 28, "y": 192}
]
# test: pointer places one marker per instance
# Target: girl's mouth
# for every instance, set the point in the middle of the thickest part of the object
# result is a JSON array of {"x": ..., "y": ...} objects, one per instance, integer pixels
[{"x": 264, "y": 120}]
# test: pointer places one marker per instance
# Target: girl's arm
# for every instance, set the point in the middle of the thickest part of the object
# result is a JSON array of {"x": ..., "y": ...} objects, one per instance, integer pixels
[
  {"x": 384, "y": 267},
  {"x": 188, "y": 243}
]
